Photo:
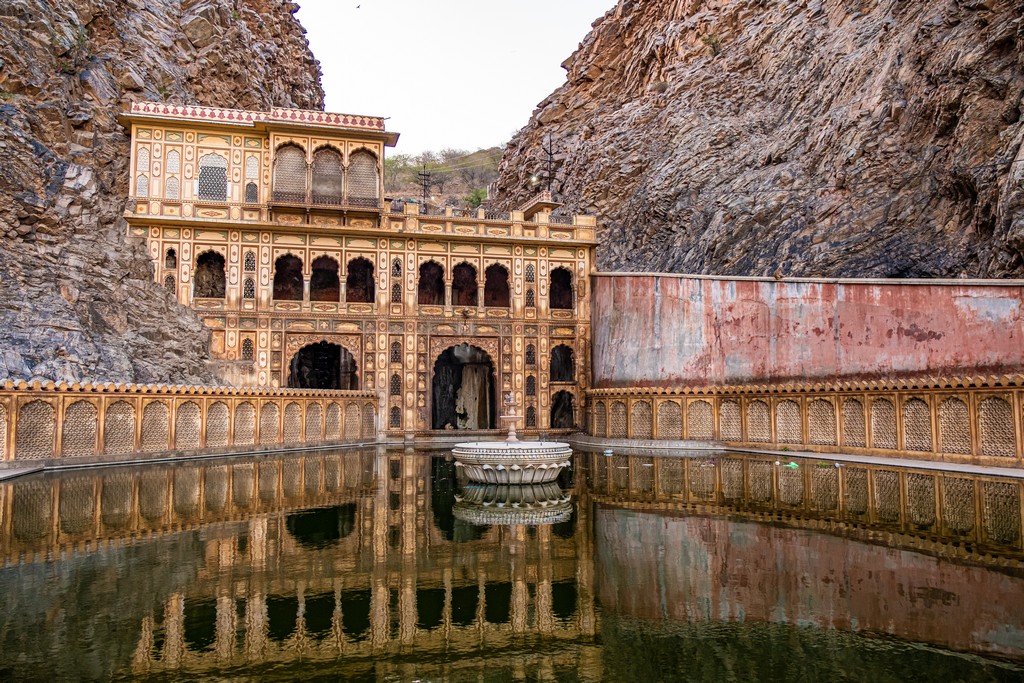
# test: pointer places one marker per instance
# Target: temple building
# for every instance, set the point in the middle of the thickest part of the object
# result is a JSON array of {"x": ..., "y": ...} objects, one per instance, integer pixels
[{"x": 274, "y": 227}]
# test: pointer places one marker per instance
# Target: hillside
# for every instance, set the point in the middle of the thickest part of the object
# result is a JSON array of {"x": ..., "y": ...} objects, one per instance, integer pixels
[
  {"x": 76, "y": 296},
  {"x": 819, "y": 138}
]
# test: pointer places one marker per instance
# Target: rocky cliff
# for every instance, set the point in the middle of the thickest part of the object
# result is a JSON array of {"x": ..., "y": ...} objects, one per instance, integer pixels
[
  {"x": 77, "y": 299},
  {"x": 813, "y": 137}
]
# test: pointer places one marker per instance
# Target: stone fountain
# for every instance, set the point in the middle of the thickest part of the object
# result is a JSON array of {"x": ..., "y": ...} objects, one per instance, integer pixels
[{"x": 512, "y": 461}]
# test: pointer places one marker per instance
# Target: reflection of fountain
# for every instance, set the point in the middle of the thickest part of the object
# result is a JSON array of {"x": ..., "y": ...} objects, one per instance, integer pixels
[
  {"x": 512, "y": 461},
  {"x": 503, "y": 504}
]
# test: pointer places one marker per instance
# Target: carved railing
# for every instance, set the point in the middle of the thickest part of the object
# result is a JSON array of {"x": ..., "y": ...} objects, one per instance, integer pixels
[
  {"x": 969, "y": 420},
  {"x": 41, "y": 422}
]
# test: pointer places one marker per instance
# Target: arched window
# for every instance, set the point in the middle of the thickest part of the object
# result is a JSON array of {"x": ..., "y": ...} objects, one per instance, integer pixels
[
  {"x": 248, "y": 349},
  {"x": 496, "y": 292},
  {"x": 531, "y": 385},
  {"x": 288, "y": 278},
  {"x": 396, "y": 268},
  {"x": 213, "y": 178},
  {"x": 169, "y": 285},
  {"x": 249, "y": 262},
  {"x": 252, "y": 167},
  {"x": 561, "y": 289},
  {"x": 396, "y": 352},
  {"x": 363, "y": 187},
  {"x": 171, "y": 259},
  {"x": 209, "y": 281},
  {"x": 531, "y": 298},
  {"x": 359, "y": 285},
  {"x": 290, "y": 175},
  {"x": 142, "y": 186},
  {"x": 324, "y": 284},
  {"x": 430, "y": 289},
  {"x": 252, "y": 193},
  {"x": 327, "y": 176},
  {"x": 531, "y": 354},
  {"x": 249, "y": 288},
  {"x": 142, "y": 160},
  {"x": 464, "y": 285},
  {"x": 395, "y": 388},
  {"x": 396, "y": 293},
  {"x": 173, "y": 161},
  {"x": 531, "y": 273},
  {"x": 395, "y": 418},
  {"x": 563, "y": 365},
  {"x": 531, "y": 416},
  {"x": 172, "y": 189}
]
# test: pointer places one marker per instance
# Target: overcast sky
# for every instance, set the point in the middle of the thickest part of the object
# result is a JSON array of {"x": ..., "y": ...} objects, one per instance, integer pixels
[{"x": 449, "y": 73}]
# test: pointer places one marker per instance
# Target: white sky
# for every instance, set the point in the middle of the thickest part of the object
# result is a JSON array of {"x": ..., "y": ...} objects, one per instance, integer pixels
[{"x": 449, "y": 73}]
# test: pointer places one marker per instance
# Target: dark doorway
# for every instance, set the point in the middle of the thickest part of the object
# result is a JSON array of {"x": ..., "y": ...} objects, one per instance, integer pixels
[
  {"x": 496, "y": 286},
  {"x": 209, "y": 279},
  {"x": 359, "y": 287},
  {"x": 323, "y": 366},
  {"x": 563, "y": 365},
  {"x": 562, "y": 414},
  {"x": 463, "y": 389},
  {"x": 288, "y": 278},
  {"x": 464, "y": 285},
  {"x": 431, "y": 285},
  {"x": 561, "y": 289},
  {"x": 324, "y": 284}
]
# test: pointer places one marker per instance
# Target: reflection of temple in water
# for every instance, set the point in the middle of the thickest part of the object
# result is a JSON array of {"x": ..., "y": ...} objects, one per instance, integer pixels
[{"x": 314, "y": 558}]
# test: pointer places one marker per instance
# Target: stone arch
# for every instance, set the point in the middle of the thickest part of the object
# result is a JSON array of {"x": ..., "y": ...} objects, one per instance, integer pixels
[
  {"x": 187, "y": 426},
  {"x": 332, "y": 430},
  {"x": 563, "y": 410},
  {"x": 245, "y": 424},
  {"x": 288, "y": 278},
  {"x": 700, "y": 420},
  {"x": 209, "y": 280},
  {"x": 619, "y": 424},
  {"x": 995, "y": 428},
  {"x": 954, "y": 427},
  {"x": 352, "y": 421},
  {"x": 368, "y": 428},
  {"x": 787, "y": 422},
  {"x": 323, "y": 365},
  {"x": 560, "y": 290},
  {"x": 119, "y": 428},
  {"x": 563, "y": 364},
  {"x": 171, "y": 260},
  {"x": 821, "y": 422},
  {"x": 155, "y": 426},
  {"x": 430, "y": 287},
  {"x": 359, "y": 282},
  {"x": 642, "y": 420},
  {"x": 217, "y": 425},
  {"x": 730, "y": 421},
  {"x": 883, "y": 424},
  {"x": 270, "y": 420},
  {"x": 854, "y": 429},
  {"x": 290, "y": 174},
  {"x": 759, "y": 422},
  {"x": 463, "y": 389},
  {"x": 917, "y": 425},
  {"x": 496, "y": 291},
  {"x": 213, "y": 178},
  {"x": 363, "y": 183},
  {"x": 464, "y": 287},
  {"x": 670, "y": 420},
  {"x": 314, "y": 422},
  {"x": 292, "y": 423},
  {"x": 600, "y": 419},
  {"x": 328, "y": 178},
  {"x": 78, "y": 435},
  {"x": 324, "y": 283}
]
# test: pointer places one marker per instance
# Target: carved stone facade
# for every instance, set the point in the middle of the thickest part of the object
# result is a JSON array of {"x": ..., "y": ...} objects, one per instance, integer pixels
[{"x": 274, "y": 228}]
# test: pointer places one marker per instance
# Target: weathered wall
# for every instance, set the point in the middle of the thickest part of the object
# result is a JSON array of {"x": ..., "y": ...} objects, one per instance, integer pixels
[{"x": 665, "y": 330}]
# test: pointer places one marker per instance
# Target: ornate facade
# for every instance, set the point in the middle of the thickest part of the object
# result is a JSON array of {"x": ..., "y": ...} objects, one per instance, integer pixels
[{"x": 274, "y": 228}]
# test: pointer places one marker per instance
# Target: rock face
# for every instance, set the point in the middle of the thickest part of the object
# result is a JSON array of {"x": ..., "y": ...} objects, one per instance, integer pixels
[
  {"x": 77, "y": 299},
  {"x": 814, "y": 138}
]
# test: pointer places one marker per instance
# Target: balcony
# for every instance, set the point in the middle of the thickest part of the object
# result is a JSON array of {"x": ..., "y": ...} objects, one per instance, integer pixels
[{"x": 337, "y": 202}]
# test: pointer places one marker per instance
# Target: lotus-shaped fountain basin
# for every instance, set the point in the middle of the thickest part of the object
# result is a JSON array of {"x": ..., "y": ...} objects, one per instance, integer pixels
[
  {"x": 485, "y": 504},
  {"x": 516, "y": 462}
]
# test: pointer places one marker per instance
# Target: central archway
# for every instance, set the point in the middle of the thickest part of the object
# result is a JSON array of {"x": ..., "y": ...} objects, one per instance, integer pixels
[
  {"x": 463, "y": 389},
  {"x": 323, "y": 366}
]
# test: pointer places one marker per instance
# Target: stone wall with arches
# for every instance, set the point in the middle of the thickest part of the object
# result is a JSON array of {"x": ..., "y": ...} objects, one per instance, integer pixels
[
  {"x": 976, "y": 420},
  {"x": 44, "y": 422}
]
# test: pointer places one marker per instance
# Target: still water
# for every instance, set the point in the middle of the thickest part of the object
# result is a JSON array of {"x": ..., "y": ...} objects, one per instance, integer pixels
[{"x": 381, "y": 566}]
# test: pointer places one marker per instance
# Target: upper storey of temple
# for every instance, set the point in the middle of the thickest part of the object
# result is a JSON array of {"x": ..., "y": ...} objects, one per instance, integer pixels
[{"x": 295, "y": 170}]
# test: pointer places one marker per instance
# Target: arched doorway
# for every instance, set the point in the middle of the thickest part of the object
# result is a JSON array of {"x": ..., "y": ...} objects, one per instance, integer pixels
[
  {"x": 563, "y": 413},
  {"x": 209, "y": 280},
  {"x": 463, "y": 389},
  {"x": 323, "y": 366}
]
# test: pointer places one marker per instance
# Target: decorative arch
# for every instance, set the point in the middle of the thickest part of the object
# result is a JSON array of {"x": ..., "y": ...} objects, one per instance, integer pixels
[
  {"x": 142, "y": 186},
  {"x": 430, "y": 287},
  {"x": 79, "y": 430},
  {"x": 600, "y": 419},
  {"x": 314, "y": 422},
  {"x": 292, "y": 423},
  {"x": 642, "y": 420},
  {"x": 288, "y": 278},
  {"x": 917, "y": 425},
  {"x": 171, "y": 259},
  {"x": 217, "y": 425},
  {"x": 496, "y": 291},
  {"x": 759, "y": 422},
  {"x": 213, "y": 178},
  {"x": 359, "y": 282},
  {"x": 332, "y": 428},
  {"x": 324, "y": 284},
  {"x": 619, "y": 422},
  {"x": 172, "y": 188},
  {"x": 290, "y": 174},
  {"x": 464, "y": 285},
  {"x": 119, "y": 428},
  {"x": 155, "y": 426},
  {"x": 352, "y": 421},
  {"x": 270, "y": 419},
  {"x": 363, "y": 183},
  {"x": 173, "y": 164},
  {"x": 463, "y": 389},
  {"x": 700, "y": 420},
  {"x": 954, "y": 427},
  {"x": 563, "y": 364},
  {"x": 369, "y": 422},
  {"x": 787, "y": 422},
  {"x": 323, "y": 365},
  {"x": 995, "y": 422},
  {"x": 854, "y": 429},
  {"x": 883, "y": 424},
  {"x": 670, "y": 420},
  {"x": 821, "y": 422},
  {"x": 730, "y": 423},
  {"x": 396, "y": 352},
  {"x": 187, "y": 426},
  {"x": 560, "y": 290},
  {"x": 328, "y": 176},
  {"x": 245, "y": 424},
  {"x": 210, "y": 279},
  {"x": 563, "y": 410}
]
